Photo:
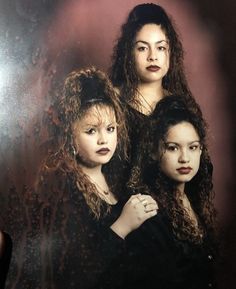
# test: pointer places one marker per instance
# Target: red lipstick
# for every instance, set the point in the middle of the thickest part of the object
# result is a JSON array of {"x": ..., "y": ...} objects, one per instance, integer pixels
[
  {"x": 103, "y": 151},
  {"x": 184, "y": 170},
  {"x": 153, "y": 68}
]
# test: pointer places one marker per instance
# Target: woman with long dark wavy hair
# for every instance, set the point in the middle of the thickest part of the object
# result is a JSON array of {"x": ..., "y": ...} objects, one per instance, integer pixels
[
  {"x": 178, "y": 247},
  {"x": 147, "y": 65}
]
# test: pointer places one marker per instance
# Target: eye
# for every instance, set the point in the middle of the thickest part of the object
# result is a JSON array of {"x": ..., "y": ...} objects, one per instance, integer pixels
[
  {"x": 171, "y": 148},
  {"x": 91, "y": 131},
  {"x": 111, "y": 128},
  {"x": 161, "y": 48},
  {"x": 194, "y": 147},
  {"x": 142, "y": 48}
]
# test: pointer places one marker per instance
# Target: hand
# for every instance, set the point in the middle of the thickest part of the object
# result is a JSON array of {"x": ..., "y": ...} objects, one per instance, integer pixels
[{"x": 136, "y": 211}]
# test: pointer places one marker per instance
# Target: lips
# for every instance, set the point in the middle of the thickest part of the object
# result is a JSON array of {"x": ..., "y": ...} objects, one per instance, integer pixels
[
  {"x": 153, "y": 68},
  {"x": 103, "y": 151},
  {"x": 184, "y": 170}
]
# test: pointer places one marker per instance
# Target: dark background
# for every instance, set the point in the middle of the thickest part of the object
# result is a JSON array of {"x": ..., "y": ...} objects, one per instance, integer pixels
[{"x": 41, "y": 41}]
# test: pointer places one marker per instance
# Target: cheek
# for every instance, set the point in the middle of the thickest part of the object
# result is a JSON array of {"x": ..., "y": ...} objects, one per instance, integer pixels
[
  {"x": 114, "y": 140},
  {"x": 166, "y": 60},
  {"x": 197, "y": 162},
  {"x": 166, "y": 163},
  {"x": 82, "y": 143},
  {"x": 138, "y": 59}
]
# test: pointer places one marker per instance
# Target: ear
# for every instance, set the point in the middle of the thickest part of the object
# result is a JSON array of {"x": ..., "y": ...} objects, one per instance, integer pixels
[
  {"x": 154, "y": 156},
  {"x": 157, "y": 152}
]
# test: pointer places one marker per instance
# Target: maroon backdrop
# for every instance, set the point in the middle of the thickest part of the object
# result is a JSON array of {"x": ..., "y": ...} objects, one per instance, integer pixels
[{"x": 41, "y": 41}]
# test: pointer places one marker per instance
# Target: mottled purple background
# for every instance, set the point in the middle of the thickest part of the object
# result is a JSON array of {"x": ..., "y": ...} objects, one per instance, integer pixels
[{"x": 41, "y": 41}]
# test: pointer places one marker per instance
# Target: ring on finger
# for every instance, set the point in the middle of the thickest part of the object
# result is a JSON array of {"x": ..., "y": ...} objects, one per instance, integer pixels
[{"x": 145, "y": 202}]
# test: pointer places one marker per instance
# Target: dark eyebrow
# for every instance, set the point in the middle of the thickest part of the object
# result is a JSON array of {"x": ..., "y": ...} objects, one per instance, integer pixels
[
  {"x": 171, "y": 142},
  {"x": 175, "y": 143},
  {"x": 145, "y": 42},
  {"x": 97, "y": 125},
  {"x": 90, "y": 125}
]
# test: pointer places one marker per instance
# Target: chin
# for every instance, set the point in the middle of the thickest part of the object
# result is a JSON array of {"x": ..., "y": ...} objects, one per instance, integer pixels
[
  {"x": 104, "y": 161},
  {"x": 186, "y": 179}
]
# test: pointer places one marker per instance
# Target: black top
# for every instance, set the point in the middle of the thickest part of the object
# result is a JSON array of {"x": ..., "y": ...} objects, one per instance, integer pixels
[
  {"x": 65, "y": 247},
  {"x": 137, "y": 124},
  {"x": 156, "y": 259},
  {"x": 163, "y": 262}
]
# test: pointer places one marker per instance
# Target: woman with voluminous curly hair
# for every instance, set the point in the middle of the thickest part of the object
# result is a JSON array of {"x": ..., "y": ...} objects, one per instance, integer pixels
[
  {"x": 78, "y": 221},
  {"x": 179, "y": 244},
  {"x": 147, "y": 65}
]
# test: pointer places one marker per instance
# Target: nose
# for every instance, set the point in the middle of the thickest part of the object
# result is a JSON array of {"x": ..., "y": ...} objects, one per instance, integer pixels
[
  {"x": 184, "y": 156},
  {"x": 102, "y": 138},
  {"x": 152, "y": 54}
]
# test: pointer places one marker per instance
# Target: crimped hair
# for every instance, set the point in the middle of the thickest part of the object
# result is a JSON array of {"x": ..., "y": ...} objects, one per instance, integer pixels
[
  {"x": 147, "y": 174},
  {"x": 83, "y": 89},
  {"x": 123, "y": 72}
]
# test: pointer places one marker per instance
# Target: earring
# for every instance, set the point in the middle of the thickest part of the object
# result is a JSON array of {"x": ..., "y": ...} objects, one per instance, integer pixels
[{"x": 73, "y": 151}]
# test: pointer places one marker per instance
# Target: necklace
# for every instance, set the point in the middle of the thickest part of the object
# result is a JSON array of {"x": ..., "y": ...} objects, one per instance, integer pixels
[
  {"x": 99, "y": 188},
  {"x": 106, "y": 192}
]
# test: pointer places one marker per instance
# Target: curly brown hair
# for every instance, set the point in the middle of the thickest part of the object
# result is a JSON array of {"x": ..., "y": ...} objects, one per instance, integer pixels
[
  {"x": 123, "y": 72},
  {"x": 83, "y": 89},
  {"x": 148, "y": 176}
]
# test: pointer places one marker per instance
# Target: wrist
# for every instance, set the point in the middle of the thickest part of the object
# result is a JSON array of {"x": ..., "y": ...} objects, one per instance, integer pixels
[{"x": 120, "y": 229}]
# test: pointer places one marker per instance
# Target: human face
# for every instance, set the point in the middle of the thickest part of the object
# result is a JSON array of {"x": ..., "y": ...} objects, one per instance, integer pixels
[
  {"x": 151, "y": 53},
  {"x": 180, "y": 153},
  {"x": 95, "y": 136}
]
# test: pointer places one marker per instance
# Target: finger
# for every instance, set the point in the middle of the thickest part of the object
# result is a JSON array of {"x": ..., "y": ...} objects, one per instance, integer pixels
[
  {"x": 149, "y": 201},
  {"x": 142, "y": 197},
  {"x": 144, "y": 202},
  {"x": 153, "y": 203},
  {"x": 151, "y": 207},
  {"x": 150, "y": 214},
  {"x": 149, "y": 198},
  {"x": 134, "y": 201},
  {"x": 135, "y": 196}
]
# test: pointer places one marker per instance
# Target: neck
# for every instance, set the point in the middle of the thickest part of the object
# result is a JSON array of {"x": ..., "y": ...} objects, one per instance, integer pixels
[
  {"x": 181, "y": 188},
  {"x": 92, "y": 172},
  {"x": 97, "y": 178},
  {"x": 149, "y": 94}
]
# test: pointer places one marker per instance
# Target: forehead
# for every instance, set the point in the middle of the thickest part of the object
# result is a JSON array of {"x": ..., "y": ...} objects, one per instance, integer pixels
[
  {"x": 181, "y": 132},
  {"x": 97, "y": 114},
  {"x": 151, "y": 32}
]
